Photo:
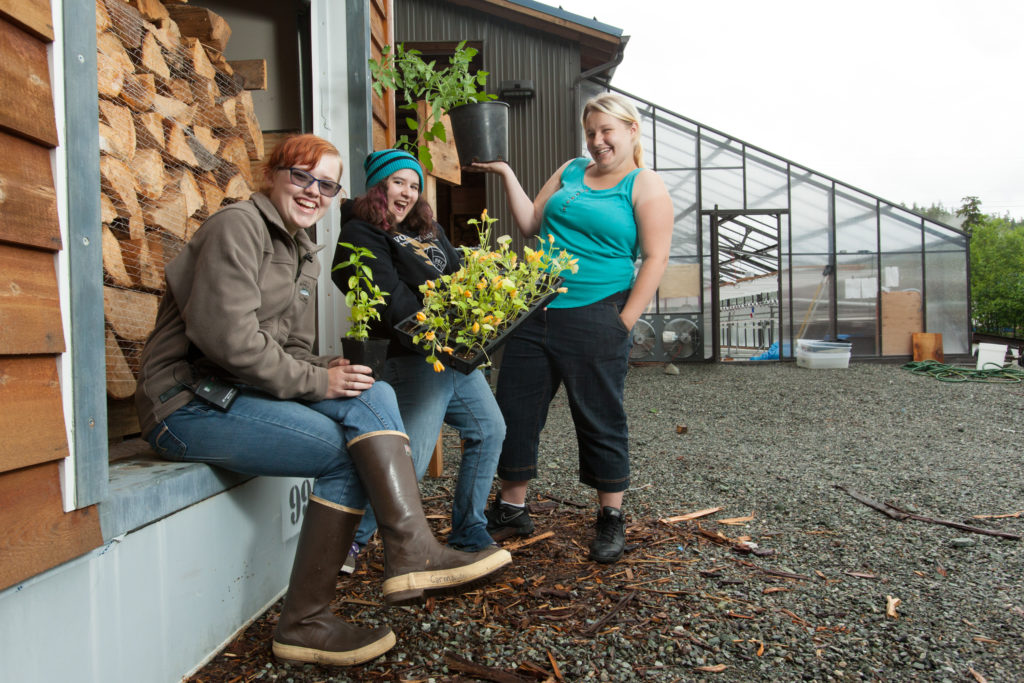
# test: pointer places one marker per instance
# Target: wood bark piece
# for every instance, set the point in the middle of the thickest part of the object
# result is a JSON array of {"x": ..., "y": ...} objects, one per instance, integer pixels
[
  {"x": 102, "y": 17},
  {"x": 205, "y": 95},
  {"x": 205, "y": 160},
  {"x": 181, "y": 89},
  {"x": 117, "y": 131},
  {"x": 120, "y": 379},
  {"x": 237, "y": 188},
  {"x": 178, "y": 149},
  {"x": 168, "y": 214},
  {"x": 112, "y": 64},
  {"x": 205, "y": 137},
  {"x": 166, "y": 32},
  {"x": 198, "y": 59},
  {"x": 191, "y": 225},
  {"x": 151, "y": 57},
  {"x": 152, "y": 10},
  {"x": 131, "y": 314},
  {"x": 149, "y": 130},
  {"x": 148, "y": 167},
  {"x": 253, "y": 73},
  {"x": 222, "y": 115},
  {"x": 113, "y": 262},
  {"x": 127, "y": 23},
  {"x": 184, "y": 182},
  {"x": 599, "y": 624},
  {"x": 139, "y": 91},
  {"x": 900, "y": 515},
  {"x": 170, "y": 108},
  {"x": 144, "y": 258},
  {"x": 487, "y": 673},
  {"x": 197, "y": 22},
  {"x": 249, "y": 126},
  {"x": 119, "y": 184},
  {"x": 213, "y": 196},
  {"x": 234, "y": 152},
  {"x": 107, "y": 211}
]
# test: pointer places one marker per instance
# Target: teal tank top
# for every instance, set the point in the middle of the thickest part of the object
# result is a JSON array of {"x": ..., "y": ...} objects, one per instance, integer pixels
[{"x": 598, "y": 228}]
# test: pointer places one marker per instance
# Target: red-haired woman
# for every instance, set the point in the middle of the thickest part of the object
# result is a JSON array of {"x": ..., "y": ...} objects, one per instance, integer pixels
[{"x": 229, "y": 378}]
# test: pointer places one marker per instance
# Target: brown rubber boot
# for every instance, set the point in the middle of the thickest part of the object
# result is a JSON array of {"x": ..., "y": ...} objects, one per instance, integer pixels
[
  {"x": 308, "y": 631},
  {"x": 416, "y": 566}
]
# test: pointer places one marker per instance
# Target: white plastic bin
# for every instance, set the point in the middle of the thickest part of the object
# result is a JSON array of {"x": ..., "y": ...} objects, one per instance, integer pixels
[
  {"x": 822, "y": 355},
  {"x": 991, "y": 356}
]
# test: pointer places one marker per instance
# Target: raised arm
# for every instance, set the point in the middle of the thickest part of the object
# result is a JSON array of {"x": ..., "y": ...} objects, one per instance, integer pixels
[
  {"x": 526, "y": 213},
  {"x": 652, "y": 207}
]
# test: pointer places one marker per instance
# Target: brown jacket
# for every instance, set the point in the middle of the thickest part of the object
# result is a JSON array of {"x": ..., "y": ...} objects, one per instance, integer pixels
[{"x": 240, "y": 304}]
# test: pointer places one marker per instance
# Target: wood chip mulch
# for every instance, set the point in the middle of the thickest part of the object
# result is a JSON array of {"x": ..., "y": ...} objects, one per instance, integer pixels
[{"x": 551, "y": 594}]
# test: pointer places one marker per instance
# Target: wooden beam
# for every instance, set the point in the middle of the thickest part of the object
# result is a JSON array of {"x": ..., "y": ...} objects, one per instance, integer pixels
[
  {"x": 38, "y": 534},
  {"x": 253, "y": 73},
  {"x": 26, "y": 100},
  {"x": 29, "y": 302},
  {"x": 28, "y": 203},
  {"x": 31, "y": 413},
  {"x": 201, "y": 23}
]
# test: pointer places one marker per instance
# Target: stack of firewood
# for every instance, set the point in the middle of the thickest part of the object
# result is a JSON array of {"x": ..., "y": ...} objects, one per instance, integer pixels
[{"x": 178, "y": 140}]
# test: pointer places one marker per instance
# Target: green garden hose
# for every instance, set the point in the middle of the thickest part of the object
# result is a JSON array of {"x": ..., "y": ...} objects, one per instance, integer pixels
[{"x": 961, "y": 373}]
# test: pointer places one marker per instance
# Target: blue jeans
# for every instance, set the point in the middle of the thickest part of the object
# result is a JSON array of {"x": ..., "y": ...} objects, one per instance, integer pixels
[
  {"x": 587, "y": 350},
  {"x": 266, "y": 436},
  {"x": 426, "y": 400}
]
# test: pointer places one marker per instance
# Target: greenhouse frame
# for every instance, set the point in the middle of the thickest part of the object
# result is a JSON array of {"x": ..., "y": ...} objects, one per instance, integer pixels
[{"x": 796, "y": 254}]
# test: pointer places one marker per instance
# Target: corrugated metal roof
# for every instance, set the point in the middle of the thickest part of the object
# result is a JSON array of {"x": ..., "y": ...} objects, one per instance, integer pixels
[{"x": 560, "y": 13}]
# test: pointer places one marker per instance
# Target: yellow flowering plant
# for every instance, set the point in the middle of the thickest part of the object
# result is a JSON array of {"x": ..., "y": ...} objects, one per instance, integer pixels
[{"x": 466, "y": 314}]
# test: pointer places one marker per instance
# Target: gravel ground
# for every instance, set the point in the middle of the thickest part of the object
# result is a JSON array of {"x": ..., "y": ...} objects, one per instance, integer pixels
[{"x": 772, "y": 442}]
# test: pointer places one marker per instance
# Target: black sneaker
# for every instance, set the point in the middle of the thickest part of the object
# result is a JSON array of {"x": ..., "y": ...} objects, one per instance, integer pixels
[
  {"x": 505, "y": 521},
  {"x": 610, "y": 539}
]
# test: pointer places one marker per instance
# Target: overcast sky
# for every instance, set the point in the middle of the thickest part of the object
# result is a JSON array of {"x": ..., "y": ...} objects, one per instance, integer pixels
[{"x": 911, "y": 100}]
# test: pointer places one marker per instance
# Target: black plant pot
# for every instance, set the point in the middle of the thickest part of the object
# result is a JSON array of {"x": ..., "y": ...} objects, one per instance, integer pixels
[
  {"x": 370, "y": 352},
  {"x": 481, "y": 131}
]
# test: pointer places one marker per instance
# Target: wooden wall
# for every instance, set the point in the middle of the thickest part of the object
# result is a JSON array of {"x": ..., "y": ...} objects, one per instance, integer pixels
[
  {"x": 35, "y": 532},
  {"x": 382, "y": 33}
]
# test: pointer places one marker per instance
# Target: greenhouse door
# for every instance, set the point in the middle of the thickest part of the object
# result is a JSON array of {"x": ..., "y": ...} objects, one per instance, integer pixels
[{"x": 746, "y": 292}]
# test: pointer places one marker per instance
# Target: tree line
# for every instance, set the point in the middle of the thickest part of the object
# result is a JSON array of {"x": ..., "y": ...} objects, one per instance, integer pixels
[{"x": 997, "y": 269}]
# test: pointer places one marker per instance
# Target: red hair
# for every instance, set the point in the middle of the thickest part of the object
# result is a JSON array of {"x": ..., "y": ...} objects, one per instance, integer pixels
[
  {"x": 372, "y": 208},
  {"x": 298, "y": 150}
]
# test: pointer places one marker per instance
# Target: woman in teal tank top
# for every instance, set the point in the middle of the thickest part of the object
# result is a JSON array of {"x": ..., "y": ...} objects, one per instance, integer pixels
[{"x": 605, "y": 210}]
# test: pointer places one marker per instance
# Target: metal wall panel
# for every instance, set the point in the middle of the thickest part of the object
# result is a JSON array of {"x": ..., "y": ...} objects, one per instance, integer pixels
[{"x": 543, "y": 131}]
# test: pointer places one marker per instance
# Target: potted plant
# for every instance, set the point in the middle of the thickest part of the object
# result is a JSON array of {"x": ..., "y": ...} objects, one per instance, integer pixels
[
  {"x": 467, "y": 315},
  {"x": 363, "y": 299},
  {"x": 479, "y": 123}
]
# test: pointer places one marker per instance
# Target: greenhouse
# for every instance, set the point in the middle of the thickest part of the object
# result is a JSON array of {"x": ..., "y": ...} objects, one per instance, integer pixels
[{"x": 766, "y": 251}]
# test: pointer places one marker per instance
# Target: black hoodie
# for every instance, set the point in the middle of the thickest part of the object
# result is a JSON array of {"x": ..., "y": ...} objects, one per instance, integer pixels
[{"x": 403, "y": 262}]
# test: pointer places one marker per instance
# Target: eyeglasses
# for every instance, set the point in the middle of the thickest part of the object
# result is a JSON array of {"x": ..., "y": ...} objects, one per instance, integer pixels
[{"x": 300, "y": 178}]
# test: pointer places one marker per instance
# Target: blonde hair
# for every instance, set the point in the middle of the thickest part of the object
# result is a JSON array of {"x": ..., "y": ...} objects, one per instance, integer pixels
[{"x": 618, "y": 107}]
